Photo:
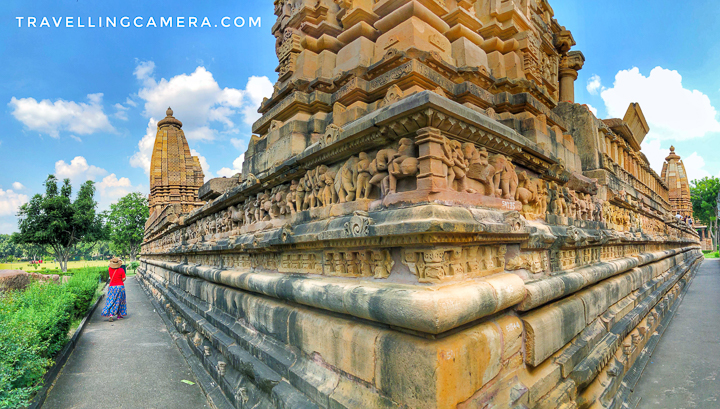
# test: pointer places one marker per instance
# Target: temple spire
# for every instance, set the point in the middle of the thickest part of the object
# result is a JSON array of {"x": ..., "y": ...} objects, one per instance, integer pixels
[{"x": 175, "y": 175}]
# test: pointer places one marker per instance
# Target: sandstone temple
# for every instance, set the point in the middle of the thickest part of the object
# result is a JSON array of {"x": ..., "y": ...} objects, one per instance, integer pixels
[
  {"x": 425, "y": 219},
  {"x": 675, "y": 175}
]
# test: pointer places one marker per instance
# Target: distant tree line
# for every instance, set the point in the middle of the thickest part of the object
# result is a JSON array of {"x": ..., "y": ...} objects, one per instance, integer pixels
[{"x": 65, "y": 227}]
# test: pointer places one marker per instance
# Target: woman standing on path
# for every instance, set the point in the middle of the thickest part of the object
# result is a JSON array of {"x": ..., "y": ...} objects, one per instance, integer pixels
[{"x": 115, "y": 303}]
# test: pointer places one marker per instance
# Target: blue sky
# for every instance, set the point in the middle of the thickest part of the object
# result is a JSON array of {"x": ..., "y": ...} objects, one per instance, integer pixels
[{"x": 81, "y": 102}]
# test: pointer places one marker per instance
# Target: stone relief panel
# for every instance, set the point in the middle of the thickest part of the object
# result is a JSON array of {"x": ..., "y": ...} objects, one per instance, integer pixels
[{"x": 454, "y": 263}]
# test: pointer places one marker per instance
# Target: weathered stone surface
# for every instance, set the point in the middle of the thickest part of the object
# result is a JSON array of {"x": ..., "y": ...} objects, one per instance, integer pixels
[
  {"x": 425, "y": 219},
  {"x": 214, "y": 188}
]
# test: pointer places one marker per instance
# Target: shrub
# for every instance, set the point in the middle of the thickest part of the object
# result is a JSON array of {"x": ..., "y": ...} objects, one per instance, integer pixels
[
  {"x": 83, "y": 285},
  {"x": 34, "y": 327}
]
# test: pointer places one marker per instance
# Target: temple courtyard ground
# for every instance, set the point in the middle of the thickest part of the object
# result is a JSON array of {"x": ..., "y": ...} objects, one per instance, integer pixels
[
  {"x": 684, "y": 370},
  {"x": 135, "y": 363},
  {"x": 130, "y": 363}
]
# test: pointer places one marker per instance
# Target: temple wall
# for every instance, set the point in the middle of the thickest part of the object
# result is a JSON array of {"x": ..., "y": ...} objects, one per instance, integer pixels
[
  {"x": 425, "y": 219},
  {"x": 284, "y": 340}
]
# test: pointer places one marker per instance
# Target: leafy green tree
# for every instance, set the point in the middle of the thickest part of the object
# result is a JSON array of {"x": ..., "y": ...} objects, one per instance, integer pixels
[
  {"x": 55, "y": 221},
  {"x": 126, "y": 222},
  {"x": 704, "y": 197}
]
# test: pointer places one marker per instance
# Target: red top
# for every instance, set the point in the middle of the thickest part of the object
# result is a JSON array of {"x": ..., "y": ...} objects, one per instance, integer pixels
[{"x": 116, "y": 276}]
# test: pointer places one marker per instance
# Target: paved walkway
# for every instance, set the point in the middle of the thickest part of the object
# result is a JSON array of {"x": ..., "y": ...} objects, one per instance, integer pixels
[
  {"x": 684, "y": 371},
  {"x": 131, "y": 363}
]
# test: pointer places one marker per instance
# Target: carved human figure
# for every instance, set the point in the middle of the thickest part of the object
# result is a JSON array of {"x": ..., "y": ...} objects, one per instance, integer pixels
[
  {"x": 320, "y": 186},
  {"x": 345, "y": 181},
  {"x": 404, "y": 164},
  {"x": 542, "y": 197},
  {"x": 310, "y": 198},
  {"x": 457, "y": 167},
  {"x": 291, "y": 196},
  {"x": 266, "y": 204},
  {"x": 363, "y": 176},
  {"x": 457, "y": 269},
  {"x": 505, "y": 179},
  {"x": 379, "y": 169},
  {"x": 300, "y": 193},
  {"x": 329, "y": 194}
]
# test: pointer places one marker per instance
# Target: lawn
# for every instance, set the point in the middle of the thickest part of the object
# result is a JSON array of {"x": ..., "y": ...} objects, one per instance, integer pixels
[
  {"x": 49, "y": 265},
  {"x": 711, "y": 254}
]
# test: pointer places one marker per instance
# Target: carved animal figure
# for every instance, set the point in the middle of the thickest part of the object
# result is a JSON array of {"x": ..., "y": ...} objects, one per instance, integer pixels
[
  {"x": 527, "y": 190},
  {"x": 479, "y": 168}
]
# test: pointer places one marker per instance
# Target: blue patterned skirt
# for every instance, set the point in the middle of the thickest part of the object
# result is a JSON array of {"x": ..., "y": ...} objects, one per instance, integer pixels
[{"x": 115, "y": 303}]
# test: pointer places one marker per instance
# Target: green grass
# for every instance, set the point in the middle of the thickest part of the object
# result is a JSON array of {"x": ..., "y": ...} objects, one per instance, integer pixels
[
  {"x": 34, "y": 326},
  {"x": 23, "y": 265},
  {"x": 711, "y": 254}
]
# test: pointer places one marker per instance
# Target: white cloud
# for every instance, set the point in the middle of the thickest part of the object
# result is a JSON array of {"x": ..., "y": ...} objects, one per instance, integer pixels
[
  {"x": 257, "y": 89},
  {"x": 144, "y": 71},
  {"x": 208, "y": 112},
  {"x": 592, "y": 109},
  {"x": 237, "y": 167},
  {"x": 111, "y": 189},
  {"x": 199, "y": 102},
  {"x": 121, "y": 112},
  {"x": 239, "y": 144},
  {"x": 76, "y": 138},
  {"x": 18, "y": 186},
  {"x": 594, "y": 85},
  {"x": 130, "y": 102},
  {"x": 141, "y": 158},
  {"x": 694, "y": 166},
  {"x": 656, "y": 154},
  {"x": 53, "y": 117},
  {"x": 10, "y": 202},
  {"x": 78, "y": 170},
  {"x": 672, "y": 111}
]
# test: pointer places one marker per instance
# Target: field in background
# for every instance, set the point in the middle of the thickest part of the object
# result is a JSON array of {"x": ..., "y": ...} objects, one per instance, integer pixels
[
  {"x": 49, "y": 265},
  {"x": 711, "y": 254}
]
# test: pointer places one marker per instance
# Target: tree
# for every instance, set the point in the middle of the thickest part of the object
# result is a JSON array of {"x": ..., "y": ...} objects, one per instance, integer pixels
[
  {"x": 704, "y": 197},
  {"x": 56, "y": 222},
  {"x": 126, "y": 222}
]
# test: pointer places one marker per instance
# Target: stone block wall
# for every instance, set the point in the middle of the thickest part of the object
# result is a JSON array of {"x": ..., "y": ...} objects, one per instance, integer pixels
[{"x": 425, "y": 219}]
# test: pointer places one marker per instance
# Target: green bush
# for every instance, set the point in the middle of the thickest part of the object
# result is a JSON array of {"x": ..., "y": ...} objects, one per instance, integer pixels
[
  {"x": 34, "y": 326},
  {"x": 83, "y": 285}
]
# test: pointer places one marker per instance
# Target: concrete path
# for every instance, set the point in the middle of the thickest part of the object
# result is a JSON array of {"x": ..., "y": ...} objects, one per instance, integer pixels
[
  {"x": 684, "y": 370},
  {"x": 131, "y": 363}
]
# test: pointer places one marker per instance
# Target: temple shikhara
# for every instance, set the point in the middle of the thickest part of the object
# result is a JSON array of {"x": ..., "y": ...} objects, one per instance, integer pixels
[
  {"x": 425, "y": 219},
  {"x": 175, "y": 175},
  {"x": 675, "y": 175}
]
